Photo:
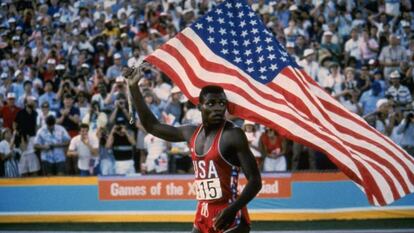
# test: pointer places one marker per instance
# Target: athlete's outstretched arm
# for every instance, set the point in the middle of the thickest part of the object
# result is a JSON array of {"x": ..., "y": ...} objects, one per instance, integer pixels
[
  {"x": 148, "y": 120},
  {"x": 237, "y": 143}
]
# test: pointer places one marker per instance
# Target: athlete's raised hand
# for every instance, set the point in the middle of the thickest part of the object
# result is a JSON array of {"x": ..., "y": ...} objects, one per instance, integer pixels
[{"x": 134, "y": 74}]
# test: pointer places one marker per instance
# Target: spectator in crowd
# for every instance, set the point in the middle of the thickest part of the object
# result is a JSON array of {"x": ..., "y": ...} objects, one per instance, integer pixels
[
  {"x": 115, "y": 70},
  {"x": 120, "y": 111},
  {"x": 85, "y": 147},
  {"x": 273, "y": 149},
  {"x": 118, "y": 91},
  {"x": 369, "y": 98},
  {"x": 51, "y": 49},
  {"x": 7, "y": 153},
  {"x": 152, "y": 104},
  {"x": 50, "y": 97},
  {"x": 173, "y": 109},
  {"x": 95, "y": 118},
  {"x": 17, "y": 86},
  {"x": 25, "y": 122},
  {"x": 369, "y": 46},
  {"x": 100, "y": 97},
  {"x": 406, "y": 128},
  {"x": 69, "y": 115},
  {"x": 42, "y": 113},
  {"x": 191, "y": 114},
  {"x": 69, "y": 118},
  {"x": 28, "y": 91},
  {"x": 253, "y": 136},
  {"x": 29, "y": 164},
  {"x": 323, "y": 71},
  {"x": 350, "y": 82},
  {"x": 9, "y": 111},
  {"x": 5, "y": 86},
  {"x": 381, "y": 118},
  {"x": 309, "y": 64},
  {"x": 121, "y": 141},
  {"x": 179, "y": 158},
  {"x": 352, "y": 46},
  {"x": 82, "y": 103},
  {"x": 400, "y": 94},
  {"x": 404, "y": 32},
  {"x": 52, "y": 141},
  {"x": 162, "y": 89},
  {"x": 350, "y": 101},
  {"x": 156, "y": 160},
  {"x": 391, "y": 55},
  {"x": 335, "y": 78},
  {"x": 333, "y": 49},
  {"x": 106, "y": 158},
  {"x": 300, "y": 153}
]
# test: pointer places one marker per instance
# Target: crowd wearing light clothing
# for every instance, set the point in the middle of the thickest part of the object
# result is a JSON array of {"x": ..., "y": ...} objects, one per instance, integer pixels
[{"x": 68, "y": 60}]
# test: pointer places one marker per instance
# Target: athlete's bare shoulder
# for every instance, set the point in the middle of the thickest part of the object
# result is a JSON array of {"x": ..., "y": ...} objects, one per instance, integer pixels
[
  {"x": 233, "y": 142},
  {"x": 188, "y": 131},
  {"x": 232, "y": 130}
]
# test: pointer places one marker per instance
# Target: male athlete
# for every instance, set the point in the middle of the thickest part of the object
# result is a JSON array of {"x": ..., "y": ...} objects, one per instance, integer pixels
[{"x": 218, "y": 150}]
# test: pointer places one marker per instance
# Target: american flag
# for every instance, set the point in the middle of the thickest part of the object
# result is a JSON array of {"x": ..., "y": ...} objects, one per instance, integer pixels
[{"x": 230, "y": 47}]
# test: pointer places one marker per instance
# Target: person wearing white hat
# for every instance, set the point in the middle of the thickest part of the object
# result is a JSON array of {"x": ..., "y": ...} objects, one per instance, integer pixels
[
  {"x": 381, "y": 118},
  {"x": 400, "y": 93},
  {"x": 115, "y": 70},
  {"x": 253, "y": 135},
  {"x": 173, "y": 110},
  {"x": 60, "y": 67},
  {"x": 11, "y": 21},
  {"x": 328, "y": 44},
  {"x": 290, "y": 49},
  {"x": 309, "y": 64},
  {"x": 16, "y": 38}
]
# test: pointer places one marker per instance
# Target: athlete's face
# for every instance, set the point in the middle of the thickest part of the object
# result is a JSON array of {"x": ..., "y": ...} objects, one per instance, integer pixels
[{"x": 213, "y": 108}]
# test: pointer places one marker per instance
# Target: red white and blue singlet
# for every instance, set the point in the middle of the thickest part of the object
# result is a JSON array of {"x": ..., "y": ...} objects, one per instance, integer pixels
[{"x": 216, "y": 184}]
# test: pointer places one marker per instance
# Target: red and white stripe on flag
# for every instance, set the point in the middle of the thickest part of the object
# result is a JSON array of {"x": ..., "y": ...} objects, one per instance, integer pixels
[{"x": 298, "y": 109}]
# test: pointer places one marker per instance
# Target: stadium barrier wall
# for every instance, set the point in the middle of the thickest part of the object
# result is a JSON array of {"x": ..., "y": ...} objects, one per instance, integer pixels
[{"x": 171, "y": 198}]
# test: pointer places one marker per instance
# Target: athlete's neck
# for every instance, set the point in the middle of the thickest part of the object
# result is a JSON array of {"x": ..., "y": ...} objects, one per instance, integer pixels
[{"x": 209, "y": 128}]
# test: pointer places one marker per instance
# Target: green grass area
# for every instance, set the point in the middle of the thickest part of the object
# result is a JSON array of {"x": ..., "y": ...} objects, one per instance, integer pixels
[{"x": 257, "y": 226}]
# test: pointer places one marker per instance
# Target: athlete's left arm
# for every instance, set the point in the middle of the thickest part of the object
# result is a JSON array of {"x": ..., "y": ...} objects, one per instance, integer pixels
[{"x": 235, "y": 144}]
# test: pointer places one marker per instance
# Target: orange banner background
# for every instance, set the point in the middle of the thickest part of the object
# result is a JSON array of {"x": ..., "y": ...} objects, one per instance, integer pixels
[{"x": 153, "y": 189}]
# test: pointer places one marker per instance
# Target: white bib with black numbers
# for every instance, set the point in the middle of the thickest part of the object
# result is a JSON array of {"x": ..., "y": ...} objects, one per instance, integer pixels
[{"x": 208, "y": 189}]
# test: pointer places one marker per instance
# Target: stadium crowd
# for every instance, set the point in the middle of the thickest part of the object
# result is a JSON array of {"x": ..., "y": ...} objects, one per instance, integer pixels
[{"x": 63, "y": 100}]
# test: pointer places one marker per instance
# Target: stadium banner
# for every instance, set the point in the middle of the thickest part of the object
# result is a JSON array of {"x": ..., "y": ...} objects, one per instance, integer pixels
[
  {"x": 181, "y": 187},
  {"x": 168, "y": 198}
]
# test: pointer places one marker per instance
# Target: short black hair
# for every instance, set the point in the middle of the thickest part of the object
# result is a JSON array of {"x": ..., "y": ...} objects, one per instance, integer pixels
[
  {"x": 50, "y": 120},
  {"x": 210, "y": 89},
  {"x": 67, "y": 96},
  {"x": 84, "y": 126}
]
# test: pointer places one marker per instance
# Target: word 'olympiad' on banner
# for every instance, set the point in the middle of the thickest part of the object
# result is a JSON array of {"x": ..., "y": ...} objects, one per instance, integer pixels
[{"x": 124, "y": 189}]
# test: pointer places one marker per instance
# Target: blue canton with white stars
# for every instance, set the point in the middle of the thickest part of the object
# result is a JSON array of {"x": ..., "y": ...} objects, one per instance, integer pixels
[{"x": 234, "y": 32}]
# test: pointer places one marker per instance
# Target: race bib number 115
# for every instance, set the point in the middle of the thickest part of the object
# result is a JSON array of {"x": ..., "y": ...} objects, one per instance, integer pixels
[{"x": 208, "y": 189}]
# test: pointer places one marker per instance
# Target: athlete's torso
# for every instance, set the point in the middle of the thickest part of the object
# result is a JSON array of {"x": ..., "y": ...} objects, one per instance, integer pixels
[{"x": 215, "y": 177}]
